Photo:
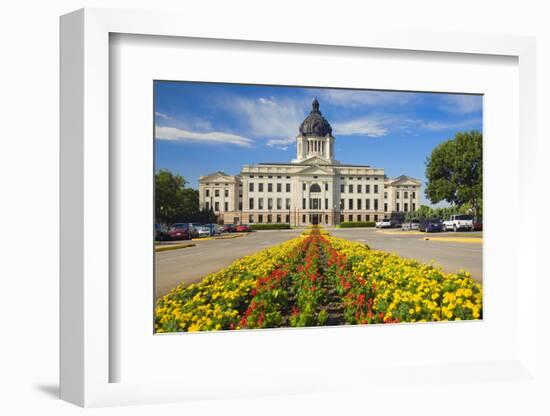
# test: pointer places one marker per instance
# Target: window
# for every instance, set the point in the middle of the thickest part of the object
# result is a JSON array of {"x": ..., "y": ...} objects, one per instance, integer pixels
[
  {"x": 367, "y": 203},
  {"x": 326, "y": 219},
  {"x": 226, "y": 206},
  {"x": 315, "y": 188},
  {"x": 217, "y": 192},
  {"x": 278, "y": 218},
  {"x": 350, "y": 187},
  {"x": 397, "y": 207},
  {"x": 341, "y": 204},
  {"x": 261, "y": 176},
  {"x": 260, "y": 187},
  {"x": 207, "y": 206},
  {"x": 260, "y": 203},
  {"x": 414, "y": 195},
  {"x": 358, "y": 204},
  {"x": 269, "y": 177},
  {"x": 385, "y": 195},
  {"x": 359, "y": 218},
  {"x": 251, "y": 219},
  {"x": 315, "y": 177},
  {"x": 367, "y": 189},
  {"x": 279, "y": 187},
  {"x": 279, "y": 203},
  {"x": 288, "y": 177},
  {"x": 226, "y": 193},
  {"x": 260, "y": 218},
  {"x": 414, "y": 206},
  {"x": 326, "y": 186},
  {"x": 287, "y": 219},
  {"x": 303, "y": 203},
  {"x": 375, "y": 189},
  {"x": 376, "y": 204},
  {"x": 375, "y": 217},
  {"x": 240, "y": 206},
  {"x": 350, "y": 179},
  {"x": 341, "y": 217},
  {"x": 216, "y": 206},
  {"x": 251, "y": 176},
  {"x": 251, "y": 203},
  {"x": 303, "y": 218},
  {"x": 397, "y": 195},
  {"x": 406, "y": 207},
  {"x": 367, "y": 217},
  {"x": 359, "y": 189},
  {"x": 269, "y": 187},
  {"x": 350, "y": 218},
  {"x": 278, "y": 177},
  {"x": 251, "y": 187},
  {"x": 350, "y": 203},
  {"x": 385, "y": 207},
  {"x": 406, "y": 195},
  {"x": 208, "y": 192},
  {"x": 269, "y": 203},
  {"x": 287, "y": 203},
  {"x": 303, "y": 187},
  {"x": 326, "y": 203},
  {"x": 342, "y": 188},
  {"x": 288, "y": 187}
]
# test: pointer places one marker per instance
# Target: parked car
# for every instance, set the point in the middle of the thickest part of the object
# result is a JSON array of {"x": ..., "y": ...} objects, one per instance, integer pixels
[
  {"x": 243, "y": 228},
  {"x": 384, "y": 223},
  {"x": 229, "y": 228},
  {"x": 180, "y": 231},
  {"x": 431, "y": 225},
  {"x": 203, "y": 230},
  {"x": 410, "y": 225},
  {"x": 161, "y": 232},
  {"x": 459, "y": 222},
  {"x": 478, "y": 224},
  {"x": 216, "y": 229}
]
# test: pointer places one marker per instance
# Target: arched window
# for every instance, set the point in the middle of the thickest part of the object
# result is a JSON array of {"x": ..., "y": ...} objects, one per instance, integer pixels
[{"x": 315, "y": 188}]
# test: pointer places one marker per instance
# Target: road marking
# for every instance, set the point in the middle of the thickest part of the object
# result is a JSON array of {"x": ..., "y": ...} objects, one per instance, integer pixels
[{"x": 456, "y": 239}]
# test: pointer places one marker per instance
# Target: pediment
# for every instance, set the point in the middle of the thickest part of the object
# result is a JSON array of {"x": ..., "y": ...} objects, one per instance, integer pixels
[
  {"x": 218, "y": 177},
  {"x": 315, "y": 160},
  {"x": 404, "y": 180},
  {"x": 316, "y": 170}
]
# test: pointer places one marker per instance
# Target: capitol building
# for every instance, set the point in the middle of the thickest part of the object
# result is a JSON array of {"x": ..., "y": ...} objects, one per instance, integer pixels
[{"x": 314, "y": 188}]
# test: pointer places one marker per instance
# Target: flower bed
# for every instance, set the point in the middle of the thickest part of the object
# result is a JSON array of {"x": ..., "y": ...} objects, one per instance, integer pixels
[{"x": 317, "y": 279}]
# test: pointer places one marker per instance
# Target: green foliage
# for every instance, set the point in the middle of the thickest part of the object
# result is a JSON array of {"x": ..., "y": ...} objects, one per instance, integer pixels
[
  {"x": 270, "y": 226},
  {"x": 176, "y": 203},
  {"x": 454, "y": 171},
  {"x": 356, "y": 224}
]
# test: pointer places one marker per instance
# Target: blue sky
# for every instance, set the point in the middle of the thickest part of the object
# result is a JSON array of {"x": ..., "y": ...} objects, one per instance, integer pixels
[{"x": 202, "y": 128}]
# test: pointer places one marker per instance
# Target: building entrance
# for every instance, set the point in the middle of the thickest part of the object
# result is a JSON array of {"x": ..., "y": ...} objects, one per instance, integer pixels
[{"x": 315, "y": 219}]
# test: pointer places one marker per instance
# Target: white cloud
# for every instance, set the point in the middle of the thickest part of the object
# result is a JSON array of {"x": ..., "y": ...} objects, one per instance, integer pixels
[
  {"x": 373, "y": 126},
  {"x": 163, "y": 116},
  {"x": 439, "y": 126},
  {"x": 269, "y": 117},
  {"x": 281, "y": 143},
  {"x": 462, "y": 104},
  {"x": 176, "y": 134},
  {"x": 354, "y": 98}
]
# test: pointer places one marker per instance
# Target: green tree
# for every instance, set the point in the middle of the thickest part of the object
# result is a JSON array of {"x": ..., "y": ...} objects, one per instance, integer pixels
[
  {"x": 454, "y": 171},
  {"x": 173, "y": 201},
  {"x": 168, "y": 192}
]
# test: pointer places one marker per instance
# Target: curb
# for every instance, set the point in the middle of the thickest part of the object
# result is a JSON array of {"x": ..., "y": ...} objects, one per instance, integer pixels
[{"x": 174, "y": 247}]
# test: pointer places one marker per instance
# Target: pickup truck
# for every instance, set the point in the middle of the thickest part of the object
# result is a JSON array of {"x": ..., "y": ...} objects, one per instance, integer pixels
[{"x": 459, "y": 222}]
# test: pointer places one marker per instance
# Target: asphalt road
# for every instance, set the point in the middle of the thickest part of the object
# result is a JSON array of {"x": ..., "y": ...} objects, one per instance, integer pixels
[
  {"x": 192, "y": 264},
  {"x": 451, "y": 256}
]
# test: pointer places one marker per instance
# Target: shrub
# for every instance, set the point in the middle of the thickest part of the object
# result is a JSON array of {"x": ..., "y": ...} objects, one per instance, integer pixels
[
  {"x": 356, "y": 224},
  {"x": 270, "y": 226}
]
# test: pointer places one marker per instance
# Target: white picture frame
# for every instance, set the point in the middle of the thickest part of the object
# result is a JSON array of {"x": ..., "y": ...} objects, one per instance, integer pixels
[{"x": 86, "y": 356}]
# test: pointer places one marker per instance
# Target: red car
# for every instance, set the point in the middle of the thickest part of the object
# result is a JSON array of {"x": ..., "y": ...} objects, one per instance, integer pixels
[
  {"x": 243, "y": 228},
  {"x": 478, "y": 225},
  {"x": 228, "y": 228},
  {"x": 179, "y": 231}
]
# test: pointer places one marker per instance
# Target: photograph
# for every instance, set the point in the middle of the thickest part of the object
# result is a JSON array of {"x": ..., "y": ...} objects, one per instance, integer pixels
[{"x": 283, "y": 206}]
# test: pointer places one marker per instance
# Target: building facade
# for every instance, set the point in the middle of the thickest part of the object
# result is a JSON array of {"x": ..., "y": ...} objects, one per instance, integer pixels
[{"x": 314, "y": 188}]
